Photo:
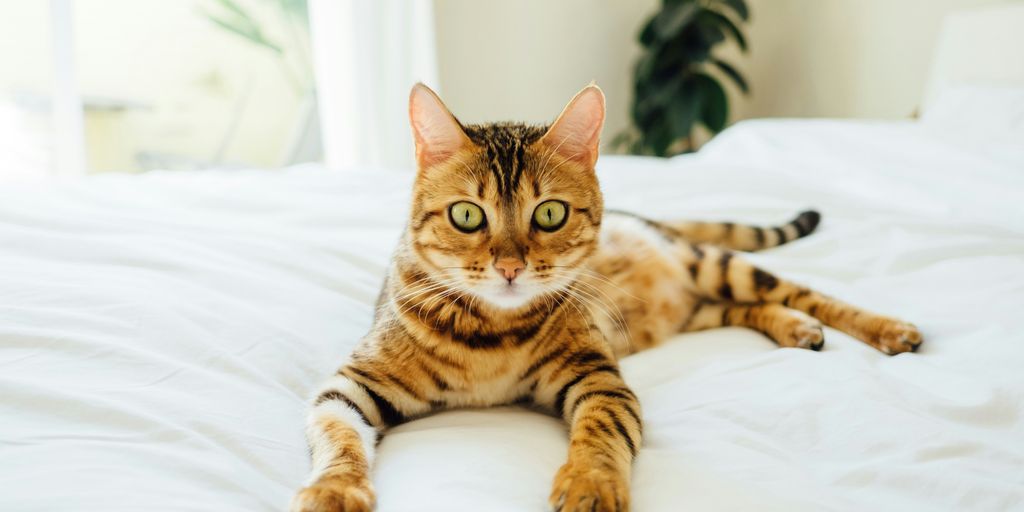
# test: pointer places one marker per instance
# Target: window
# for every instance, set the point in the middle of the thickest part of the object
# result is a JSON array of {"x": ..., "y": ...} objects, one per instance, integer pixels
[{"x": 162, "y": 84}]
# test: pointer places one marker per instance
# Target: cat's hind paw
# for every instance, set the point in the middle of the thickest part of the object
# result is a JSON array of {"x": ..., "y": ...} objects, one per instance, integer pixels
[
  {"x": 897, "y": 337},
  {"x": 799, "y": 330}
]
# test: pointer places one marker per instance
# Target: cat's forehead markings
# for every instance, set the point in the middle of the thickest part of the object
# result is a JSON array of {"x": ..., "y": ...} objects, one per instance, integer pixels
[{"x": 505, "y": 146}]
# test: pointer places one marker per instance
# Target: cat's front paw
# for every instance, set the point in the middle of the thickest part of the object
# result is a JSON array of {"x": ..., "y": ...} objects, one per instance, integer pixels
[
  {"x": 335, "y": 494},
  {"x": 896, "y": 337},
  {"x": 586, "y": 488}
]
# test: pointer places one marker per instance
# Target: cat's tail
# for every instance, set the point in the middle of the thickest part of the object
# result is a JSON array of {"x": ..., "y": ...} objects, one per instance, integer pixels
[{"x": 742, "y": 237}]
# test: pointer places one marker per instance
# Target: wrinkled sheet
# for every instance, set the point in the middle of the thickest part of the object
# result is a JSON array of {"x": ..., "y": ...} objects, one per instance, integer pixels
[{"x": 160, "y": 335}]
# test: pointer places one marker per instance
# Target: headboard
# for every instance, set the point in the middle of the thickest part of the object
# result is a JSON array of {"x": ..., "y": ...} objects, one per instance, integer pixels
[{"x": 983, "y": 46}]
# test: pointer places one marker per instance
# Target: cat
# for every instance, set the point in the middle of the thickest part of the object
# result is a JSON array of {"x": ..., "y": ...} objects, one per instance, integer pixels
[{"x": 512, "y": 284}]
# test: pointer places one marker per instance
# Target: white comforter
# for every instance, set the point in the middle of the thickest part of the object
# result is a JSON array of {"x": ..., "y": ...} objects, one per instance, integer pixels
[{"x": 160, "y": 334}]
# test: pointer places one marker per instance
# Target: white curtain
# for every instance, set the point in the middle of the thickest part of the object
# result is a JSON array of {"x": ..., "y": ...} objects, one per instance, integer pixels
[{"x": 367, "y": 54}]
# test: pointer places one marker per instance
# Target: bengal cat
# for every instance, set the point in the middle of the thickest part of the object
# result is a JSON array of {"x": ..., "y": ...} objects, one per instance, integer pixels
[{"x": 512, "y": 284}]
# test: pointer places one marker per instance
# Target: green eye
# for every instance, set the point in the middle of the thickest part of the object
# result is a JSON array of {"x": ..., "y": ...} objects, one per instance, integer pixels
[
  {"x": 550, "y": 215},
  {"x": 466, "y": 216}
]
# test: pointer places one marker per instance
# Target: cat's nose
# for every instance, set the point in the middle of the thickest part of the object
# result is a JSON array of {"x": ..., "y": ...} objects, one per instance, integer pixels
[{"x": 509, "y": 268}]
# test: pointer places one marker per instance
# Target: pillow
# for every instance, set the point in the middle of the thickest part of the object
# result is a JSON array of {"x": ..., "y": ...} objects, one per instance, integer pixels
[{"x": 981, "y": 118}]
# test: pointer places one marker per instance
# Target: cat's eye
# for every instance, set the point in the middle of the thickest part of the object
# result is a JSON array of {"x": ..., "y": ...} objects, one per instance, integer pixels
[
  {"x": 466, "y": 217},
  {"x": 550, "y": 215}
]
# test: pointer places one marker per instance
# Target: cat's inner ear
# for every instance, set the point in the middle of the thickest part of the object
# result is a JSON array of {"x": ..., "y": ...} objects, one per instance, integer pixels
[
  {"x": 576, "y": 134},
  {"x": 437, "y": 133}
]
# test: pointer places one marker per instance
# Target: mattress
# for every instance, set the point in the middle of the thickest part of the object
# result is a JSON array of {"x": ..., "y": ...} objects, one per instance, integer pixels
[{"x": 160, "y": 336}]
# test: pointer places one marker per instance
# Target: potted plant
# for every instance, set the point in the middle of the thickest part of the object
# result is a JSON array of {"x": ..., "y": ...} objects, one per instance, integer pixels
[{"x": 677, "y": 80}]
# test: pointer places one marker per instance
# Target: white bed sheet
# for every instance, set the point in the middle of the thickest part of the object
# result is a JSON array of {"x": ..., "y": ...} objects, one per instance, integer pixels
[{"x": 159, "y": 336}]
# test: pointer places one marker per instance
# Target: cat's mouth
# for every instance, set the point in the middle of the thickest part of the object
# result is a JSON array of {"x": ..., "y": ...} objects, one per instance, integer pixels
[
  {"x": 507, "y": 295},
  {"x": 510, "y": 290}
]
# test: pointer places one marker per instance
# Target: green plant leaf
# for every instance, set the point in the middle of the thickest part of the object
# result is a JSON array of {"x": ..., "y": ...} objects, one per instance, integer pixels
[
  {"x": 739, "y": 7},
  {"x": 661, "y": 93},
  {"x": 297, "y": 8},
  {"x": 684, "y": 109},
  {"x": 249, "y": 33},
  {"x": 715, "y": 109},
  {"x": 710, "y": 31},
  {"x": 647, "y": 35},
  {"x": 732, "y": 73},
  {"x": 645, "y": 66},
  {"x": 727, "y": 25},
  {"x": 655, "y": 97},
  {"x": 230, "y": 5},
  {"x": 673, "y": 18},
  {"x": 660, "y": 137}
]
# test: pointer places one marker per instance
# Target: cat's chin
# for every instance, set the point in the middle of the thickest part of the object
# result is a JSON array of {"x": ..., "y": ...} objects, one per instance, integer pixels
[{"x": 509, "y": 297}]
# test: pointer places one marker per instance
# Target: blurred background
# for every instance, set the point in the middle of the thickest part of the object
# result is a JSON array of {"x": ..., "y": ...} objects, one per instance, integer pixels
[{"x": 90, "y": 86}]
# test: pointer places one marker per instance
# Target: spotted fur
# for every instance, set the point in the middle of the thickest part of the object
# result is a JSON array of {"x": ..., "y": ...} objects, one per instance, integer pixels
[{"x": 451, "y": 332}]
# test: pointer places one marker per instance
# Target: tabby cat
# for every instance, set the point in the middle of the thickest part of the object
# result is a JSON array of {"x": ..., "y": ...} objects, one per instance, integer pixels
[{"x": 512, "y": 284}]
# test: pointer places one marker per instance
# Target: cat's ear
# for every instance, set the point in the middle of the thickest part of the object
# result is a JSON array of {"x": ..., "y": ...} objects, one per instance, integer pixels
[
  {"x": 576, "y": 133},
  {"x": 437, "y": 133}
]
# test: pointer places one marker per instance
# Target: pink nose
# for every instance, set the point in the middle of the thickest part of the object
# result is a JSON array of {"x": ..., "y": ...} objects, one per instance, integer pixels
[{"x": 509, "y": 268}]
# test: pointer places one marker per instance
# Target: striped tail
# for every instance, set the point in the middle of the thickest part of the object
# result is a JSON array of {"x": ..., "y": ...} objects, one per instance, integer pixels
[{"x": 745, "y": 238}]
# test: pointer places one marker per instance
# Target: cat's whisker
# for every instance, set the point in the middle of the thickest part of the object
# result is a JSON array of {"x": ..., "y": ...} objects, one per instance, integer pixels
[
  {"x": 553, "y": 152},
  {"x": 406, "y": 293},
  {"x": 444, "y": 307},
  {"x": 563, "y": 162},
  {"x": 600, "y": 277},
  {"x": 598, "y": 290},
  {"x": 609, "y": 311},
  {"x": 467, "y": 178},
  {"x": 573, "y": 302},
  {"x": 598, "y": 299},
  {"x": 430, "y": 288},
  {"x": 430, "y": 302}
]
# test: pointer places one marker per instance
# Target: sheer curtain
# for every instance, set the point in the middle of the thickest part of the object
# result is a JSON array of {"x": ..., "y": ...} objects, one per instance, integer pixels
[{"x": 367, "y": 54}]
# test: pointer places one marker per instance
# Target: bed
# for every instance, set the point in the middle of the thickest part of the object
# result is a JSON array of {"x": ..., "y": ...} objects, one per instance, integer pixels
[{"x": 160, "y": 335}]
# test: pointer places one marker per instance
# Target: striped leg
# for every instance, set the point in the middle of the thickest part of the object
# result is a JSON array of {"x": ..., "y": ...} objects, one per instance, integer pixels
[
  {"x": 787, "y": 327},
  {"x": 718, "y": 275},
  {"x": 352, "y": 407},
  {"x": 604, "y": 432}
]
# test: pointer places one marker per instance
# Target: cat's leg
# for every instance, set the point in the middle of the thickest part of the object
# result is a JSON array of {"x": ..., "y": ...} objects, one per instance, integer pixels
[
  {"x": 719, "y": 274},
  {"x": 787, "y": 327},
  {"x": 604, "y": 431},
  {"x": 352, "y": 408}
]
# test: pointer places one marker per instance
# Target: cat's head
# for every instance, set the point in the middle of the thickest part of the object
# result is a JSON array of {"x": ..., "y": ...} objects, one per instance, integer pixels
[{"x": 505, "y": 212}]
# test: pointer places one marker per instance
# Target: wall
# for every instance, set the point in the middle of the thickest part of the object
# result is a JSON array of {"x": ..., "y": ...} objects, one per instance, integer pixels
[
  {"x": 524, "y": 60},
  {"x": 842, "y": 58},
  {"x": 809, "y": 58}
]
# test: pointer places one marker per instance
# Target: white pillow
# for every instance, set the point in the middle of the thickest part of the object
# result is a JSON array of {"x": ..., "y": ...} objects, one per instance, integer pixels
[{"x": 981, "y": 118}]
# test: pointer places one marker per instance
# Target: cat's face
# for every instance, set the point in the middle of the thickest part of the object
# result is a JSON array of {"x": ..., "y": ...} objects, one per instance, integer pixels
[{"x": 506, "y": 212}]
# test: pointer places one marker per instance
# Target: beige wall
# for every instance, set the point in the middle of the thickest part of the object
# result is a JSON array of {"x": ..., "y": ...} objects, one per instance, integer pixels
[
  {"x": 523, "y": 60},
  {"x": 842, "y": 58},
  {"x": 831, "y": 58}
]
